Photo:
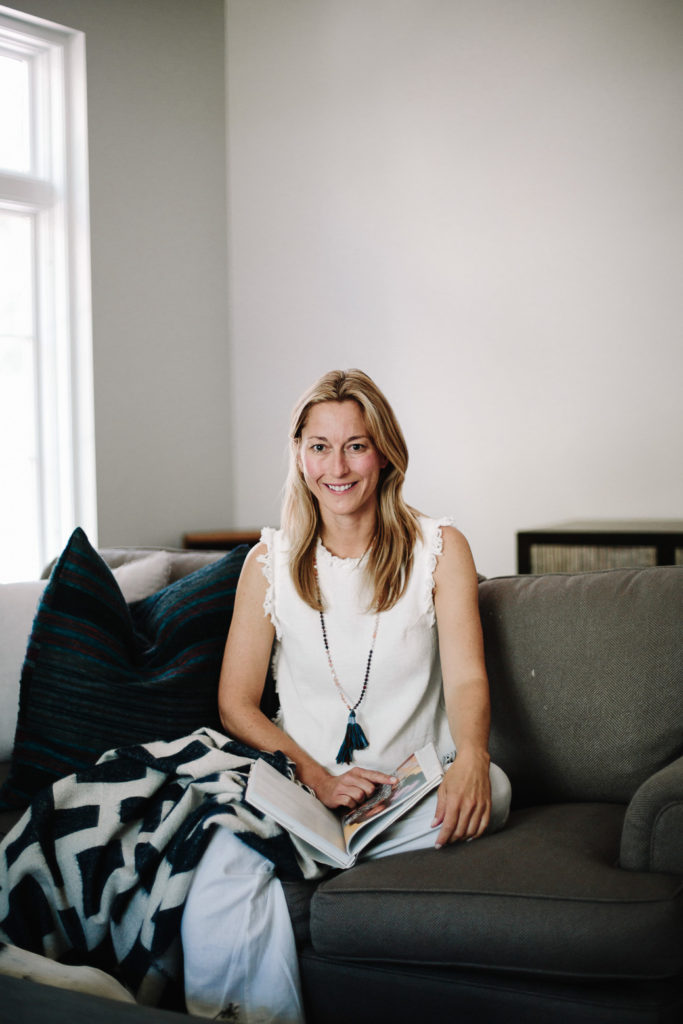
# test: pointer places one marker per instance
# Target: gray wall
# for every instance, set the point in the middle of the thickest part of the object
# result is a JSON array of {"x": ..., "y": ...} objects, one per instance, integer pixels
[
  {"x": 162, "y": 381},
  {"x": 476, "y": 200},
  {"x": 479, "y": 202}
]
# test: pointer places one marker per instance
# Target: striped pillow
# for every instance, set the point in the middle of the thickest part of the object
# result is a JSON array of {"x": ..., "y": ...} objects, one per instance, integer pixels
[{"x": 100, "y": 673}]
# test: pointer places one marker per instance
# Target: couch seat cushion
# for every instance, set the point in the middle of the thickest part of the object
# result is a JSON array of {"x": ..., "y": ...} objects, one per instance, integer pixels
[{"x": 543, "y": 895}]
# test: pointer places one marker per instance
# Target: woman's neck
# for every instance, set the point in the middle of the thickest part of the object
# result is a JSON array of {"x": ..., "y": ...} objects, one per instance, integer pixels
[{"x": 348, "y": 538}]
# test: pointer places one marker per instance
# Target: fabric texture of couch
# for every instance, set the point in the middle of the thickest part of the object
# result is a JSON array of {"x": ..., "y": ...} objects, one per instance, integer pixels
[{"x": 575, "y": 911}]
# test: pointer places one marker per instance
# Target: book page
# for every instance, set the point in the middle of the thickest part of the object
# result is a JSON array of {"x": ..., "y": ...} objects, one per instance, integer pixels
[
  {"x": 338, "y": 839},
  {"x": 296, "y": 809},
  {"x": 418, "y": 774}
]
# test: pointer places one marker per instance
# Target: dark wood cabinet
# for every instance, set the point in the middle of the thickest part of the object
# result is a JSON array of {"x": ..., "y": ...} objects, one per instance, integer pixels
[{"x": 585, "y": 544}]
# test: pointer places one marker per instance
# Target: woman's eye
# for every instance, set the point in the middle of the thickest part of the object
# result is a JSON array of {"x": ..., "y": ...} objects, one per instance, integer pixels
[
  {"x": 318, "y": 447},
  {"x": 357, "y": 447}
]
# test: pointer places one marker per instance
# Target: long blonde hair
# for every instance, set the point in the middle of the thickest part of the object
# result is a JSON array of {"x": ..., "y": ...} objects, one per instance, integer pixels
[{"x": 390, "y": 556}]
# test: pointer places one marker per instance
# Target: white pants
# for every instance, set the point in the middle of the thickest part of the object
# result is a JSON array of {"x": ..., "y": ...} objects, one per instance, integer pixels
[{"x": 238, "y": 943}]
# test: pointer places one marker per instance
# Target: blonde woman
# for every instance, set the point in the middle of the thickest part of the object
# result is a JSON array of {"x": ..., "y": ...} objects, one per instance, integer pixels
[{"x": 369, "y": 611}]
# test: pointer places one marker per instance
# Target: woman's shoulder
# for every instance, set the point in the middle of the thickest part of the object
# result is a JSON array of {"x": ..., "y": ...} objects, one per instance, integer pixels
[
  {"x": 272, "y": 541},
  {"x": 435, "y": 529},
  {"x": 261, "y": 557},
  {"x": 454, "y": 559},
  {"x": 443, "y": 544},
  {"x": 261, "y": 572},
  {"x": 272, "y": 553},
  {"x": 425, "y": 519}
]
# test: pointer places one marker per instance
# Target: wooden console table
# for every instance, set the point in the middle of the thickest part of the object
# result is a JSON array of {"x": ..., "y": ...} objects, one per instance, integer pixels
[
  {"x": 585, "y": 544},
  {"x": 220, "y": 540}
]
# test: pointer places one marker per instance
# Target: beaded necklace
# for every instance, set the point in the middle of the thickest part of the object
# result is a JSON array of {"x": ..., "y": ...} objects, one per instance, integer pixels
[{"x": 354, "y": 737}]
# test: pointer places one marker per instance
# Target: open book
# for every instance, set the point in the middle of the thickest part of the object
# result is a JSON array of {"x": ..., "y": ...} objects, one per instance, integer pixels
[{"x": 325, "y": 834}]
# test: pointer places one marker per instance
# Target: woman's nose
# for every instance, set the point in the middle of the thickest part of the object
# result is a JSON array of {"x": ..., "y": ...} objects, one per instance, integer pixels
[{"x": 339, "y": 463}]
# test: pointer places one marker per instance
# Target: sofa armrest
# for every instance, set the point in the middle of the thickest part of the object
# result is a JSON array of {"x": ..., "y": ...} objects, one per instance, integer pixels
[{"x": 653, "y": 826}]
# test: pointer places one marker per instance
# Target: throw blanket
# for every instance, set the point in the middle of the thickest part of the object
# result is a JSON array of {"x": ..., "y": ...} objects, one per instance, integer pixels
[{"x": 98, "y": 868}]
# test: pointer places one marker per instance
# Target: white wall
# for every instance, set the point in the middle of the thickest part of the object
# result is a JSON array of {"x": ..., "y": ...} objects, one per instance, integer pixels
[
  {"x": 156, "y": 103},
  {"x": 479, "y": 202}
]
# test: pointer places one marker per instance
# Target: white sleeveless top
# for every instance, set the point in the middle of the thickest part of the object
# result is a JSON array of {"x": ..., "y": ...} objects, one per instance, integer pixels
[{"x": 403, "y": 707}]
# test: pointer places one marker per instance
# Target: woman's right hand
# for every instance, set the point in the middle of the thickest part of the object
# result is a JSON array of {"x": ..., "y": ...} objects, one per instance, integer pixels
[{"x": 350, "y": 789}]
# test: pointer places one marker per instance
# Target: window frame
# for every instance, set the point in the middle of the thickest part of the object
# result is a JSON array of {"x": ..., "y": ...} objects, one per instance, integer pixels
[{"x": 55, "y": 193}]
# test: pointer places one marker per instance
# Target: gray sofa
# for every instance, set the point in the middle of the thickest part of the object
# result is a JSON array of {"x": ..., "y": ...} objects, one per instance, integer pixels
[{"x": 574, "y": 912}]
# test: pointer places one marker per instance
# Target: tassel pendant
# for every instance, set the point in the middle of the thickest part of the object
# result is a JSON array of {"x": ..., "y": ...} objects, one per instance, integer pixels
[{"x": 354, "y": 739}]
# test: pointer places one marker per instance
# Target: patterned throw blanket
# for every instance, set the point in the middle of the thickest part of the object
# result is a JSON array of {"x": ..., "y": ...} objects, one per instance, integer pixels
[{"x": 98, "y": 869}]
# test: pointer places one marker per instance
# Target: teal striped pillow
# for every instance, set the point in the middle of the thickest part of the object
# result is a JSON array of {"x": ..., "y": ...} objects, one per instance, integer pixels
[{"x": 100, "y": 673}]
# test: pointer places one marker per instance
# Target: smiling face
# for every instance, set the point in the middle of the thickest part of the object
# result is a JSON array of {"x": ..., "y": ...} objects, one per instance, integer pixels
[{"x": 339, "y": 461}]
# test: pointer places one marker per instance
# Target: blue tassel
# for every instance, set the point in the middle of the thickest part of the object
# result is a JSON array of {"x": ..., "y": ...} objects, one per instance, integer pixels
[{"x": 354, "y": 739}]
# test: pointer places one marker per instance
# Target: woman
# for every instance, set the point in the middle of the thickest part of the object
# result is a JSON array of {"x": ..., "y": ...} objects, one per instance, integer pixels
[{"x": 352, "y": 593}]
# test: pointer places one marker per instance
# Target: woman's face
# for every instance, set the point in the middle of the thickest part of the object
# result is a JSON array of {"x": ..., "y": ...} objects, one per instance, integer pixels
[{"x": 338, "y": 458}]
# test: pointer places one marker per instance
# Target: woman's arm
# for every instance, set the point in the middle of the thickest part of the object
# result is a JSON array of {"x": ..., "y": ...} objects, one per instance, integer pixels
[
  {"x": 242, "y": 680},
  {"x": 464, "y": 798}
]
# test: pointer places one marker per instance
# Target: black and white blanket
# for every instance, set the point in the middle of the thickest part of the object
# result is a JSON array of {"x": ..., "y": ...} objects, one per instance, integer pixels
[{"x": 98, "y": 868}]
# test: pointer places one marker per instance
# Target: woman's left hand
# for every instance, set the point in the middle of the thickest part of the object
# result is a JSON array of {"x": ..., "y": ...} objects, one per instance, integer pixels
[{"x": 463, "y": 806}]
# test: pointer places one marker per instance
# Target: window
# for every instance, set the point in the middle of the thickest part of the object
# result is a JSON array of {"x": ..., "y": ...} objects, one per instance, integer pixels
[{"x": 47, "y": 461}]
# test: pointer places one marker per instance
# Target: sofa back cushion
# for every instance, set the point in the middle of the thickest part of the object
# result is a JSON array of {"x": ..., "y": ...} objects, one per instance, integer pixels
[
  {"x": 586, "y": 675},
  {"x": 18, "y": 604}
]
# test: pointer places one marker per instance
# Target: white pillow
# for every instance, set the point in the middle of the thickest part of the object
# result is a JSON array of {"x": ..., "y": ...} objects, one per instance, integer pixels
[
  {"x": 18, "y": 606},
  {"x": 144, "y": 576}
]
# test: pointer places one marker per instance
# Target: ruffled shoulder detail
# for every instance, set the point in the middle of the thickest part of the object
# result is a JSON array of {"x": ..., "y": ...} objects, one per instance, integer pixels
[
  {"x": 269, "y": 537},
  {"x": 432, "y": 541}
]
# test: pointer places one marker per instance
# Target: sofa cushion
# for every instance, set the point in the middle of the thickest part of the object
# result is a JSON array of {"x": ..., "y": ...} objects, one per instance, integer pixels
[
  {"x": 8, "y": 819},
  {"x": 180, "y": 562},
  {"x": 652, "y": 836},
  {"x": 586, "y": 675},
  {"x": 144, "y": 577},
  {"x": 100, "y": 673},
  {"x": 544, "y": 895},
  {"x": 18, "y": 603}
]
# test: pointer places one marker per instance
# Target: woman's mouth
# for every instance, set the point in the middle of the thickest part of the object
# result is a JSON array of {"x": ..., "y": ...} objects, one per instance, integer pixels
[{"x": 340, "y": 488}]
